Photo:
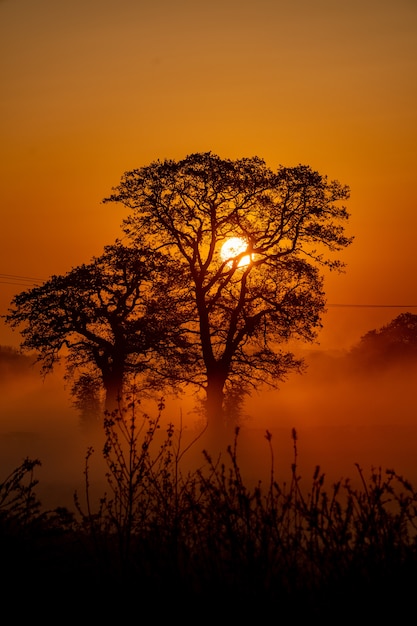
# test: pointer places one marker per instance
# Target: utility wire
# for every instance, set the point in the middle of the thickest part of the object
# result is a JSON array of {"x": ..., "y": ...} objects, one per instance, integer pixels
[
  {"x": 14, "y": 279},
  {"x": 19, "y": 276}
]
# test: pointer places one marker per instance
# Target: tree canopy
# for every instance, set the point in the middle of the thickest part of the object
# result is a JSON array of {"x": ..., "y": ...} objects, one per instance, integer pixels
[
  {"x": 392, "y": 343},
  {"x": 110, "y": 318},
  {"x": 245, "y": 308}
]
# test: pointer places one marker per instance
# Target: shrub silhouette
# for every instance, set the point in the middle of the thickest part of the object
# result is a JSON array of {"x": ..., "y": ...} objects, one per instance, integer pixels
[{"x": 173, "y": 537}]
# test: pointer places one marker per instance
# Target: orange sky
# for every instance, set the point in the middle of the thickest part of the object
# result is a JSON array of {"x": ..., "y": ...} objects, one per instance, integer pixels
[{"x": 91, "y": 88}]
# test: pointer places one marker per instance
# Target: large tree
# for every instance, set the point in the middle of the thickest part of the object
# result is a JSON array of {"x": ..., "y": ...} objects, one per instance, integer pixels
[
  {"x": 250, "y": 302},
  {"x": 111, "y": 318}
]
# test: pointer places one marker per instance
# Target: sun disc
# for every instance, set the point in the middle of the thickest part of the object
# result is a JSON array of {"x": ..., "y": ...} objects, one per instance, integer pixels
[{"x": 232, "y": 248}]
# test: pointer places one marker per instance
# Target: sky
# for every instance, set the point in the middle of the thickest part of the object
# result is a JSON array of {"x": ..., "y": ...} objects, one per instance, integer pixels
[{"x": 93, "y": 88}]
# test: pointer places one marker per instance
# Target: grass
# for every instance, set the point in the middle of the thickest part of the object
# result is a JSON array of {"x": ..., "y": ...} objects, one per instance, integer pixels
[{"x": 202, "y": 540}]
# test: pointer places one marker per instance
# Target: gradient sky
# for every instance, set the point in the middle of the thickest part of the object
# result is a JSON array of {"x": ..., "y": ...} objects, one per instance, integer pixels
[{"x": 92, "y": 88}]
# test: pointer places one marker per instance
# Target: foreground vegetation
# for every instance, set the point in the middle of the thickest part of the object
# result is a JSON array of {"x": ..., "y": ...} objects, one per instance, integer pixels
[{"x": 168, "y": 541}]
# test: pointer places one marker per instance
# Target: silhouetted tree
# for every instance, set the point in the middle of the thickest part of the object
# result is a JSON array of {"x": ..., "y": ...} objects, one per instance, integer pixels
[
  {"x": 243, "y": 311},
  {"x": 86, "y": 391},
  {"x": 13, "y": 363},
  {"x": 394, "y": 342},
  {"x": 112, "y": 317}
]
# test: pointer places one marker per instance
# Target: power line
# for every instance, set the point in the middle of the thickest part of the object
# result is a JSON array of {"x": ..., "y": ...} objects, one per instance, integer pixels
[
  {"x": 19, "y": 276},
  {"x": 15, "y": 279},
  {"x": 9, "y": 279}
]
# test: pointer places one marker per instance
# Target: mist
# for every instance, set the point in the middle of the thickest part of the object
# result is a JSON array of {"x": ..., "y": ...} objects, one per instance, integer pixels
[
  {"x": 344, "y": 411},
  {"x": 37, "y": 420}
]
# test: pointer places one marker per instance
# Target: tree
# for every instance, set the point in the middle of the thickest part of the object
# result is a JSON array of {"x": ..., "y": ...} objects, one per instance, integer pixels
[
  {"x": 111, "y": 319},
  {"x": 395, "y": 342},
  {"x": 247, "y": 305},
  {"x": 86, "y": 392},
  {"x": 12, "y": 363}
]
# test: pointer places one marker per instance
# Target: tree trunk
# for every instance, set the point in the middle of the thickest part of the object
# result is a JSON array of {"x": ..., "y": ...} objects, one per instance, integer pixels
[
  {"x": 219, "y": 435},
  {"x": 113, "y": 385}
]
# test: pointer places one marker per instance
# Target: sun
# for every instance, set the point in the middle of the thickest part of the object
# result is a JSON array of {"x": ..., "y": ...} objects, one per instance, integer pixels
[{"x": 233, "y": 247}]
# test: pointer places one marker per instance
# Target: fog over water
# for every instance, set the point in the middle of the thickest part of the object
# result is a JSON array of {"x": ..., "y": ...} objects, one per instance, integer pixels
[{"x": 344, "y": 413}]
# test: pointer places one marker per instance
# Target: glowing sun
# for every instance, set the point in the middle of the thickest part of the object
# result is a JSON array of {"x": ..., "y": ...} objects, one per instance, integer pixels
[{"x": 233, "y": 247}]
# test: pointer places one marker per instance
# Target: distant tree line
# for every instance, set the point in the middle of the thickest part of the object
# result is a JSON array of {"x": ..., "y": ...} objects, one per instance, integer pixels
[
  {"x": 393, "y": 342},
  {"x": 13, "y": 362}
]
